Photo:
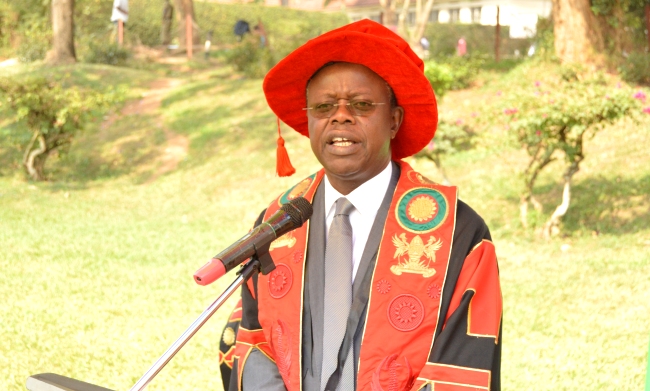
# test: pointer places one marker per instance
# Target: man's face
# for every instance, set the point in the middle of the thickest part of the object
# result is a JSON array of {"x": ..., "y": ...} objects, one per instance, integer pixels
[{"x": 351, "y": 148}]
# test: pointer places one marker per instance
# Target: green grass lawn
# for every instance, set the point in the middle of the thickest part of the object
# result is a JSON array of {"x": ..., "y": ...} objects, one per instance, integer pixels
[{"x": 97, "y": 262}]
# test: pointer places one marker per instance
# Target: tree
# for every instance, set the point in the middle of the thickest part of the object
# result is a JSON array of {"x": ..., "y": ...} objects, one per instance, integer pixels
[
  {"x": 63, "y": 33},
  {"x": 414, "y": 35},
  {"x": 183, "y": 8},
  {"x": 623, "y": 23}
]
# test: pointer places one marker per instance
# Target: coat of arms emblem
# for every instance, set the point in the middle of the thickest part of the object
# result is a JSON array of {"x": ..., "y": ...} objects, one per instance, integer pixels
[
  {"x": 285, "y": 240},
  {"x": 419, "y": 256}
]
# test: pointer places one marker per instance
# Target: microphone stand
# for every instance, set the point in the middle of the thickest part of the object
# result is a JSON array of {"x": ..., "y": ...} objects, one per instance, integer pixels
[
  {"x": 254, "y": 265},
  {"x": 261, "y": 262}
]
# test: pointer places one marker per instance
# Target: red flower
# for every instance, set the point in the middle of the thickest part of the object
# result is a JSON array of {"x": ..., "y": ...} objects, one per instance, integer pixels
[{"x": 640, "y": 96}]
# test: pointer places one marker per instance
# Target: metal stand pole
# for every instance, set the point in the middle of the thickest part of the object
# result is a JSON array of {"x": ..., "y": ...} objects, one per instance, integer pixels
[{"x": 244, "y": 274}]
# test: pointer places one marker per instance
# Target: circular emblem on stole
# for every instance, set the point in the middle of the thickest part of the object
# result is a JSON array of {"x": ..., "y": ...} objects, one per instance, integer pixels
[
  {"x": 383, "y": 286},
  {"x": 434, "y": 290},
  {"x": 297, "y": 191},
  {"x": 229, "y": 336},
  {"x": 297, "y": 256},
  {"x": 405, "y": 312},
  {"x": 421, "y": 210},
  {"x": 280, "y": 281}
]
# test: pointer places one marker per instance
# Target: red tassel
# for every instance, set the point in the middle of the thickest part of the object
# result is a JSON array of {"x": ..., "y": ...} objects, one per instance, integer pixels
[{"x": 282, "y": 164}]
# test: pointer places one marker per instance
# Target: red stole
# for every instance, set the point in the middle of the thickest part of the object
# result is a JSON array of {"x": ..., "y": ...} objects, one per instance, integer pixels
[{"x": 406, "y": 288}]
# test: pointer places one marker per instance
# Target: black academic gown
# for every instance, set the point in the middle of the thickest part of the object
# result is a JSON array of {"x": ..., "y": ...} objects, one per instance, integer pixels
[{"x": 452, "y": 345}]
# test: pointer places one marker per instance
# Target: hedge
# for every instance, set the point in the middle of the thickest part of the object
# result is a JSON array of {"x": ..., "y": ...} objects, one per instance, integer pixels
[
  {"x": 281, "y": 24},
  {"x": 480, "y": 39},
  {"x": 286, "y": 28}
]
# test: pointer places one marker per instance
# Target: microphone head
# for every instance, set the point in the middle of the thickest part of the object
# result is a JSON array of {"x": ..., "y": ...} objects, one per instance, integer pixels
[{"x": 299, "y": 210}]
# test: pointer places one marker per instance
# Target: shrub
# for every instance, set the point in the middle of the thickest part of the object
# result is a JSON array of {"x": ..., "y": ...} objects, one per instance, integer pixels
[
  {"x": 35, "y": 37},
  {"x": 449, "y": 139},
  {"x": 441, "y": 77},
  {"x": 251, "y": 59},
  {"x": 286, "y": 30},
  {"x": 636, "y": 68},
  {"x": 545, "y": 39},
  {"x": 444, "y": 37},
  {"x": 453, "y": 73},
  {"x": 51, "y": 114},
  {"x": 110, "y": 54}
]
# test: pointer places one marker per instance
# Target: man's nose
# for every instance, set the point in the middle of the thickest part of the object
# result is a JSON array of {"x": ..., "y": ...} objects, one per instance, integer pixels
[{"x": 342, "y": 113}]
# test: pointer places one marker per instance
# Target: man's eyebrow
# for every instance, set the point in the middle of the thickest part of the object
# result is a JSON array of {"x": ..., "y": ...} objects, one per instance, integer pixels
[{"x": 332, "y": 94}]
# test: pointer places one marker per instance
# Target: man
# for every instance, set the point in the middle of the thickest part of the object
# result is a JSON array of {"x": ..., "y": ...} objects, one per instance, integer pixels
[
  {"x": 120, "y": 11},
  {"x": 393, "y": 283},
  {"x": 166, "y": 26},
  {"x": 119, "y": 17}
]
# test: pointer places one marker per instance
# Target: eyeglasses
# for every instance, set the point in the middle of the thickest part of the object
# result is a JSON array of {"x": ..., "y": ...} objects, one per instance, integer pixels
[{"x": 358, "y": 108}]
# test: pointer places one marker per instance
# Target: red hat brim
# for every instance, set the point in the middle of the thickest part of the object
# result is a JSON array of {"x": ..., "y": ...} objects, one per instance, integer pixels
[{"x": 374, "y": 46}]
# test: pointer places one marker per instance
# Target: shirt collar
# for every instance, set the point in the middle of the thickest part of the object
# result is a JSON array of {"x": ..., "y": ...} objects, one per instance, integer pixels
[{"x": 365, "y": 197}]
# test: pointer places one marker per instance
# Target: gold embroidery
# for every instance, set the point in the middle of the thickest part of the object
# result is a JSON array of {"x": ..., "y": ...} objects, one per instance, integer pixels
[
  {"x": 300, "y": 189},
  {"x": 422, "y": 208},
  {"x": 229, "y": 336},
  {"x": 284, "y": 240},
  {"x": 415, "y": 250},
  {"x": 424, "y": 179}
]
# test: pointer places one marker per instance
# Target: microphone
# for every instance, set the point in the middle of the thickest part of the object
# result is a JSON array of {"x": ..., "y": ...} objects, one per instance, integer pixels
[{"x": 256, "y": 243}]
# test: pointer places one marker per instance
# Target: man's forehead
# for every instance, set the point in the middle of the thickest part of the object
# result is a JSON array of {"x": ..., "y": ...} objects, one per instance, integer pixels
[{"x": 333, "y": 66}]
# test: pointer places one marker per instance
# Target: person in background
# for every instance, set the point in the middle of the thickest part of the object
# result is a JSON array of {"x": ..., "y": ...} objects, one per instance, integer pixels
[
  {"x": 259, "y": 30},
  {"x": 461, "y": 48},
  {"x": 120, "y": 13},
  {"x": 166, "y": 28},
  {"x": 241, "y": 27},
  {"x": 208, "y": 44},
  {"x": 424, "y": 42}
]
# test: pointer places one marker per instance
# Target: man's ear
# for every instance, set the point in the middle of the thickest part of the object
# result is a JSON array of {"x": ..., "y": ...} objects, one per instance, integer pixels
[{"x": 396, "y": 121}]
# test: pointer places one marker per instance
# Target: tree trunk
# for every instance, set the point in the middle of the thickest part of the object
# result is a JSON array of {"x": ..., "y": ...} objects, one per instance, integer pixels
[
  {"x": 552, "y": 226},
  {"x": 63, "y": 33},
  {"x": 388, "y": 12},
  {"x": 413, "y": 36},
  {"x": 542, "y": 157},
  {"x": 421, "y": 21},
  {"x": 497, "y": 38},
  {"x": 34, "y": 159},
  {"x": 578, "y": 37},
  {"x": 647, "y": 23},
  {"x": 183, "y": 7},
  {"x": 402, "y": 28}
]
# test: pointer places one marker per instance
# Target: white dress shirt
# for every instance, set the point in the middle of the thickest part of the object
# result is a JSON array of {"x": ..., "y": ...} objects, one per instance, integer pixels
[{"x": 366, "y": 199}]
